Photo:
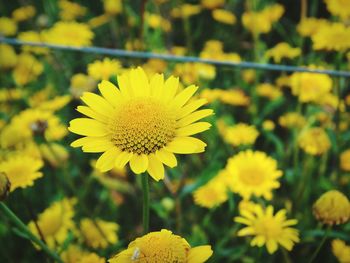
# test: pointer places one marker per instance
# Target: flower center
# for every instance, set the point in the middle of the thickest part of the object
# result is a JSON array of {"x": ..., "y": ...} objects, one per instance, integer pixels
[
  {"x": 268, "y": 227},
  {"x": 142, "y": 127},
  {"x": 251, "y": 176}
]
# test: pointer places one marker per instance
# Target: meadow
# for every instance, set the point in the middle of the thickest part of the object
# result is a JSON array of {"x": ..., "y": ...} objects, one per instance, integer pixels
[{"x": 174, "y": 131}]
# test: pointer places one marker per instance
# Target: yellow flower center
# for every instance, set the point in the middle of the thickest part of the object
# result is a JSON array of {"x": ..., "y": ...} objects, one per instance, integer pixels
[
  {"x": 142, "y": 127},
  {"x": 252, "y": 176},
  {"x": 269, "y": 228}
]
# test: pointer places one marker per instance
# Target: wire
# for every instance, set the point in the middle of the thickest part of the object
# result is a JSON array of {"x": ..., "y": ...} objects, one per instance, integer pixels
[{"x": 150, "y": 55}]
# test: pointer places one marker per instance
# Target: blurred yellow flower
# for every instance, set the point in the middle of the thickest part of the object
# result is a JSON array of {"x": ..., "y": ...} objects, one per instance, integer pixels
[
  {"x": 339, "y": 8},
  {"x": 143, "y": 123},
  {"x": 104, "y": 69},
  {"x": 113, "y": 7},
  {"x": 341, "y": 251},
  {"x": 248, "y": 75},
  {"x": 191, "y": 72},
  {"x": 210, "y": 4},
  {"x": 332, "y": 37},
  {"x": 23, "y": 13},
  {"x": 8, "y": 27},
  {"x": 345, "y": 160},
  {"x": 28, "y": 69},
  {"x": 224, "y": 16},
  {"x": 154, "y": 65},
  {"x": 79, "y": 83},
  {"x": 332, "y": 208},
  {"x": 310, "y": 26},
  {"x": 21, "y": 170},
  {"x": 238, "y": 134},
  {"x": 268, "y": 229},
  {"x": 70, "y": 11},
  {"x": 282, "y": 50},
  {"x": 55, "y": 222},
  {"x": 269, "y": 91},
  {"x": 235, "y": 97},
  {"x": 32, "y": 36},
  {"x": 185, "y": 11},
  {"x": 258, "y": 179},
  {"x": 292, "y": 120},
  {"x": 162, "y": 246},
  {"x": 98, "y": 233},
  {"x": 69, "y": 33},
  {"x": 98, "y": 21},
  {"x": 156, "y": 21},
  {"x": 268, "y": 125},
  {"x": 8, "y": 56},
  {"x": 314, "y": 141},
  {"x": 54, "y": 153},
  {"x": 91, "y": 258}
]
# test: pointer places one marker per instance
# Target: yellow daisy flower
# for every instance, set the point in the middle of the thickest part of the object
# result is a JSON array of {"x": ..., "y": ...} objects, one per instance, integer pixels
[
  {"x": 339, "y": 8},
  {"x": 314, "y": 141},
  {"x": 28, "y": 69},
  {"x": 341, "y": 251},
  {"x": 80, "y": 83},
  {"x": 8, "y": 26},
  {"x": 224, "y": 16},
  {"x": 91, "y": 258},
  {"x": 332, "y": 36},
  {"x": 238, "y": 134},
  {"x": 8, "y": 56},
  {"x": 23, "y": 13},
  {"x": 345, "y": 160},
  {"x": 98, "y": 233},
  {"x": 258, "y": 179},
  {"x": 70, "y": 11},
  {"x": 142, "y": 122},
  {"x": 162, "y": 246},
  {"x": 32, "y": 36},
  {"x": 104, "y": 69},
  {"x": 292, "y": 120},
  {"x": 282, "y": 50},
  {"x": 268, "y": 229}
]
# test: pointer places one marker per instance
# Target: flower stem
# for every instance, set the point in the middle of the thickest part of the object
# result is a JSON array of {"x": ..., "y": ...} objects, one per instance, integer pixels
[
  {"x": 314, "y": 255},
  {"x": 145, "y": 209},
  {"x": 7, "y": 211}
]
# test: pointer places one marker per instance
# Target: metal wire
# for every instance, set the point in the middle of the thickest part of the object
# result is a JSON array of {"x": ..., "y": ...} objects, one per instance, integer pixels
[{"x": 149, "y": 55}]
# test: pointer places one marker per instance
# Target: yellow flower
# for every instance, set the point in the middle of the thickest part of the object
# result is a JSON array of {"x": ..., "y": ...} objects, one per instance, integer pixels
[
  {"x": 345, "y": 160},
  {"x": 153, "y": 66},
  {"x": 99, "y": 20},
  {"x": 54, "y": 153},
  {"x": 113, "y": 7},
  {"x": 191, "y": 72},
  {"x": 334, "y": 36},
  {"x": 332, "y": 208},
  {"x": 69, "y": 33},
  {"x": 73, "y": 254},
  {"x": 210, "y": 4},
  {"x": 249, "y": 75},
  {"x": 8, "y": 56},
  {"x": 55, "y": 222},
  {"x": 23, "y": 13},
  {"x": 79, "y": 83},
  {"x": 98, "y": 233},
  {"x": 292, "y": 120},
  {"x": 32, "y": 36},
  {"x": 28, "y": 69},
  {"x": 70, "y": 11},
  {"x": 239, "y": 134},
  {"x": 268, "y": 125},
  {"x": 162, "y": 246},
  {"x": 235, "y": 97},
  {"x": 268, "y": 229},
  {"x": 282, "y": 50},
  {"x": 21, "y": 170},
  {"x": 314, "y": 141},
  {"x": 246, "y": 205},
  {"x": 103, "y": 70},
  {"x": 224, "y": 16},
  {"x": 47, "y": 104},
  {"x": 258, "y": 179},
  {"x": 143, "y": 122},
  {"x": 8, "y": 27},
  {"x": 212, "y": 193},
  {"x": 185, "y": 11},
  {"x": 310, "y": 26},
  {"x": 91, "y": 258},
  {"x": 341, "y": 251},
  {"x": 269, "y": 91},
  {"x": 339, "y": 8},
  {"x": 310, "y": 87}
]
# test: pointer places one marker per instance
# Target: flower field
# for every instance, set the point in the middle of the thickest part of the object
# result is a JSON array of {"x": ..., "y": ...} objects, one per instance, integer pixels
[{"x": 175, "y": 131}]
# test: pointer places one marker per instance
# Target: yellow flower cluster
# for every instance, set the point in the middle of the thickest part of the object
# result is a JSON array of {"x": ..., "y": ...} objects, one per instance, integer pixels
[
  {"x": 238, "y": 134},
  {"x": 234, "y": 97},
  {"x": 282, "y": 50}
]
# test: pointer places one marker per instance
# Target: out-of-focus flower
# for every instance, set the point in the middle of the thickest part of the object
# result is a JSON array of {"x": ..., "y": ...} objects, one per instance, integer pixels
[
  {"x": 73, "y": 254},
  {"x": 235, "y": 97},
  {"x": 332, "y": 37},
  {"x": 8, "y": 56},
  {"x": 53, "y": 104},
  {"x": 104, "y": 69},
  {"x": 210, "y": 4},
  {"x": 23, "y": 13},
  {"x": 269, "y": 91},
  {"x": 345, "y": 160},
  {"x": 162, "y": 246},
  {"x": 91, "y": 258},
  {"x": 8, "y": 27},
  {"x": 282, "y": 50},
  {"x": 341, "y": 251},
  {"x": 80, "y": 83},
  {"x": 339, "y": 8},
  {"x": 154, "y": 65},
  {"x": 314, "y": 141},
  {"x": 27, "y": 69},
  {"x": 178, "y": 50},
  {"x": 113, "y": 7},
  {"x": 98, "y": 233},
  {"x": 21, "y": 170},
  {"x": 268, "y": 125},
  {"x": 156, "y": 21},
  {"x": 292, "y": 120},
  {"x": 310, "y": 87},
  {"x": 238, "y": 134},
  {"x": 249, "y": 75},
  {"x": 55, "y": 222},
  {"x": 332, "y": 208},
  {"x": 98, "y": 21},
  {"x": 268, "y": 229},
  {"x": 310, "y": 26},
  {"x": 185, "y": 11},
  {"x": 69, "y": 33},
  {"x": 224, "y": 16},
  {"x": 70, "y": 11},
  {"x": 258, "y": 179},
  {"x": 32, "y": 36},
  {"x": 191, "y": 72},
  {"x": 54, "y": 153}
]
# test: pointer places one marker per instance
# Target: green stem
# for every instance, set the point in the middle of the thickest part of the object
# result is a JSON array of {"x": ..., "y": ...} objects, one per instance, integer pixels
[
  {"x": 29, "y": 234},
  {"x": 145, "y": 209},
  {"x": 314, "y": 255}
]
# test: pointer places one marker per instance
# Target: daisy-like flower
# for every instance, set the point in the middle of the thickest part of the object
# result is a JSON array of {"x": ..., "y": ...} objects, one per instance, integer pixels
[
  {"x": 341, "y": 251},
  {"x": 104, "y": 69},
  {"x": 142, "y": 122},
  {"x": 162, "y": 246},
  {"x": 268, "y": 229},
  {"x": 253, "y": 173},
  {"x": 239, "y": 134},
  {"x": 314, "y": 141}
]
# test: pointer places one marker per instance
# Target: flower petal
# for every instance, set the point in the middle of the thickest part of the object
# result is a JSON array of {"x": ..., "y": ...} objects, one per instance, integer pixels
[
  {"x": 122, "y": 159},
  {"x": 183, "y": 97},
  {"x": 186, "y": 145},
  {"x": 87, "y": 111},
  {"x": 155, "y": 168},
  {"x": 194, "y": 116},
  {"x": 168, "y": 158},
  {"x": 107, "y": 160},
  {"x": 87, "y": 127},
  {"x": 157, "y": 85},
  {"x": 97, "y": 103},
  {"x": 193, "y": 128},
  {"x": 170, "y": 88},
  {"x": 190, "y": 107},
  {"x": 110, "y": 92},
  {"x": 139, "y": 163},
  {"x": 199, "y": 254}
]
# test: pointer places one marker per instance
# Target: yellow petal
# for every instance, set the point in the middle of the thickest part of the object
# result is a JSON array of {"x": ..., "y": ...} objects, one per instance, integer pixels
[
  {"x": 124, "y": 85},
  {"x": 87, "y": 111},
  {"x": 122, "y": 159},
  {"x": 199, "y": 254},
  {"x": 194, "y": 116},
  {"x": 271, "y": 246},
  {"x": 157, "y": 85},
  {"x": 110, "y": 92},
  {"x": 190, "y": 107},
  {"x": 170, "y": 88},
  {"x": 155, "y": 168},
  {"x": 193, "y": 128},
  {"x": 107, "y": 160},
  {"x": 97, "y": 144},
  {"x": 79, "y": 142},
  {"x": 97, "y": 103},
  {"x": 183, "y": 97},
  {"x": 139, "y": 163},
  {"x": 87, "y": 127},
  {"x": 139, "y": 82},
  {"x": 186, "y": 145},
  {"x": 168, "y": 158}
]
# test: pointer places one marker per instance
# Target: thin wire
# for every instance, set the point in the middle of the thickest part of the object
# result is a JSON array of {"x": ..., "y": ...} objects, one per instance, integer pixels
[{"x": 148, "y": 55}]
